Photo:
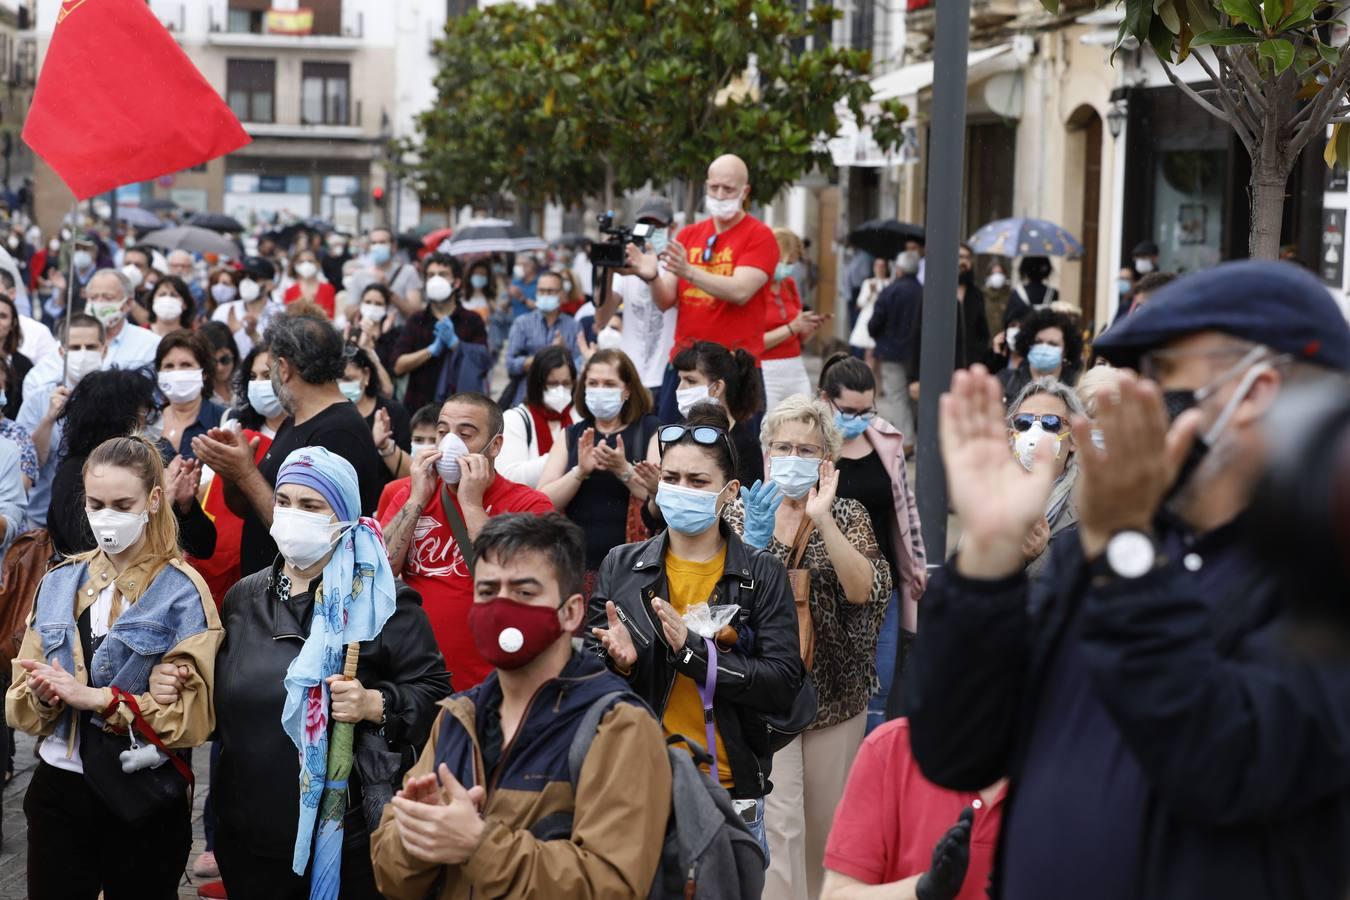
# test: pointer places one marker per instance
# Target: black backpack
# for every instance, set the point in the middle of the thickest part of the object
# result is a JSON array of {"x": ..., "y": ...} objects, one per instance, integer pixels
[{"x": 709, "y": 853}]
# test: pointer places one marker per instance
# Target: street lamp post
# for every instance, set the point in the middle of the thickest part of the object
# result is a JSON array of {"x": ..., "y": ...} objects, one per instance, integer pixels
[{"x": 945, "y": 175}]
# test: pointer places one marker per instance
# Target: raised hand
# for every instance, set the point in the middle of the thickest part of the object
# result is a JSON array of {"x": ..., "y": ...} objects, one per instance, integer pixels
[
  {"x": 381, "y": 430},
  {"x": 226, "y": 452},
  {"x": 587, "y": 461},
  {"x": 616, "y": 640},
  {"x": 820, "y": 502},
  {"x": 57, "y": 404},
  {"x": 998, "y": 501},
  {"x": 676, "y": 258},
  {"x": 424, "y": 477},
  {"x": 648, "y": 474},
  {"x": 672, "y": 624},
  {"x": 1122, "y": 486}
]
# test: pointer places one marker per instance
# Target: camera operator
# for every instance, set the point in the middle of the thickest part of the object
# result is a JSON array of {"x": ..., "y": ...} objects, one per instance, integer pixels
[
  {"x": 717, "y": 272},
  {"x": 1161, "y": 738},
  {"x": 648, "y": 330}
]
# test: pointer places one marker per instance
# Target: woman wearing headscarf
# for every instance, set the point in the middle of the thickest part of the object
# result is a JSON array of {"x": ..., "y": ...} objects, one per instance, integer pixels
[{"x": 280, "y": 686}]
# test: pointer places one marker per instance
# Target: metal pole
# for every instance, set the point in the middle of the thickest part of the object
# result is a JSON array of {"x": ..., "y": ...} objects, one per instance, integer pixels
[
  {"x": 945, "y": 175},
  {"x": 70, "y": 287}
]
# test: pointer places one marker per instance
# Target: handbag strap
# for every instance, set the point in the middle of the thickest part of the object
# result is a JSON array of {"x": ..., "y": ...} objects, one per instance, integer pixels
[
  {"x": 455, "y": 520},
  {"x": 143, "y": 728},
  {"x": 801, "y": 540},
  {"x": 705, "y": 693}
]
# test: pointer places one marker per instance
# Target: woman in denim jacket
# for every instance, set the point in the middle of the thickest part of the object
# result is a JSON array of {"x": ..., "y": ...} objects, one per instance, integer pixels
[{"x": 138, "y": 605}]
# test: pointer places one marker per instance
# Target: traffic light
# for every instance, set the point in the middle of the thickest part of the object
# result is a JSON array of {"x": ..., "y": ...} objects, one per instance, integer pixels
[{"x": 377, "y": 194}]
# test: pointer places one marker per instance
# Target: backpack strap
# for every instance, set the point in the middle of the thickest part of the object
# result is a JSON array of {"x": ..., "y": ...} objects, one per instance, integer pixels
[
  {"x": 585, "y": 735},
  {"x": 706, "y": 690}
]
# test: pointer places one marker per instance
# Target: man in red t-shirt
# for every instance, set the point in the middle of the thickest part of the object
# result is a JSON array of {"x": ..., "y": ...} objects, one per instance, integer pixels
[
  {"x": 716, "y": 271},
  {"x": 891, "y": 818},
  {"x": 422, "y": 546}
]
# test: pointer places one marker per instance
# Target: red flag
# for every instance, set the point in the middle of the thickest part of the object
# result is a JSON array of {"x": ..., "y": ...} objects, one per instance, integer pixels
[{"x": 118, "y": 101}]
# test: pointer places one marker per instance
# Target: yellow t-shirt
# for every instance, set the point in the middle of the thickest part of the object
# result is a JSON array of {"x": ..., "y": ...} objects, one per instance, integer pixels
[{"x": 692, "y": 583}]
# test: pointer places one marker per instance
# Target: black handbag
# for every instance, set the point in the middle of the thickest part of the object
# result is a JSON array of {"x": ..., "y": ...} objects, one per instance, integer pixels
[
  {"x": 135, "y": 796},
  {"x": 774, "y": 732}
]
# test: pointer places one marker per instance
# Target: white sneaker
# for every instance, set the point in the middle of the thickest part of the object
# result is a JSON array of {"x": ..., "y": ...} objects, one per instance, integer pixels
[{"x": 205, "y": 866}]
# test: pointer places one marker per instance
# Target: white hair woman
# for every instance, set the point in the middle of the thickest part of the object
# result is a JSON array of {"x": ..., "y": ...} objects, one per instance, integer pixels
[
  {"x": 797, "y": 517},
  {"x": 1041, "y": 412}
]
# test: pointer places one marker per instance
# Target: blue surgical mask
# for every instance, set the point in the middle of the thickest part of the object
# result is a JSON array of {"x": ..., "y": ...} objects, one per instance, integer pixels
[
  {"x": 83, "y": 259},
  {"x": 1124, "y": 286},
  {"x": 547, "y": 303},
  {"x": 782, "y": 272},
  {"x": 657, "y": 242},
  {"x": 687, "y": 510},
  {"x": 1045, "y": 357},
  {"x": 380, "y": 253},
  {"x": 795, "y": 475},
  {"x": 604, "y": 403},
  {"x": 478, "y": 281},
  {"x": 263, "y": 398},
  {"x": 351, "y": 390},
  {"x": 850, "y": 424}
]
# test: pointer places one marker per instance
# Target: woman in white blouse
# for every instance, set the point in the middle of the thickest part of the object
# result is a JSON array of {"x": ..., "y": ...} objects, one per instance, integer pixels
[{"x": 530, "y": 428}]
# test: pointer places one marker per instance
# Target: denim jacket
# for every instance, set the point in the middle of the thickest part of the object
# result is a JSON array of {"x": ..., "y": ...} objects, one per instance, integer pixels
[{"x": 166, "y": 616}]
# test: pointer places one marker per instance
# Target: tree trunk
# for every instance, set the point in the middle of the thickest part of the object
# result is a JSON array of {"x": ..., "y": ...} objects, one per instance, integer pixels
[{"x": 1267, "y": 189}]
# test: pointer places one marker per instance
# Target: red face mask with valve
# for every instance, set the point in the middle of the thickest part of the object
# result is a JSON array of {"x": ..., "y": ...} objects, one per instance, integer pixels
[{"x": 509, "y": 634}]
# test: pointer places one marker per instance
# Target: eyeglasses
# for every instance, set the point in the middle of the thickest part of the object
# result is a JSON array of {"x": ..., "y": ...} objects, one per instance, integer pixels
[
  {"x": 708, "y": 249},
  {"x": 707, "y": 435},
  {"x": 805, "y": 451},
  {"x": 1051, "y": 423},
  {"x": 866, "y": 415}
]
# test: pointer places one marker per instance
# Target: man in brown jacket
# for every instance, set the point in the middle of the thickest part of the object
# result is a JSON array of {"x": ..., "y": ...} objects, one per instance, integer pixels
[{"x": 490, "y": 810}]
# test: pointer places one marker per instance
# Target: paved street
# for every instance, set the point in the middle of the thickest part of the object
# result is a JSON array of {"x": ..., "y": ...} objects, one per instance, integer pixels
[{"x": 12, "y": 883}]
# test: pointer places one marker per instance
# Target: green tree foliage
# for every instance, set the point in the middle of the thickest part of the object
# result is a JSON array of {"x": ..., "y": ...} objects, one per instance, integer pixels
[
  {"x": 1273, "y": 79},
  {"x": 586, "y": 98}
]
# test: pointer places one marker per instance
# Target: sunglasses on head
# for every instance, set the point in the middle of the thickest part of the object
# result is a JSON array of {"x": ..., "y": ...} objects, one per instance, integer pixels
[
  {"x": 707, "y": 435},
  {"x": 1052, "y": 423}
]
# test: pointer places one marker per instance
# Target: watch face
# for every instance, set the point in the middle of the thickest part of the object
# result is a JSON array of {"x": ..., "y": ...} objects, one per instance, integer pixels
[{"x": 1131, "y": 554}]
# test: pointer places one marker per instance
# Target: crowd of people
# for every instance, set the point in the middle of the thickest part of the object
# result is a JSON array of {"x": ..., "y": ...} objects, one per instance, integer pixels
[{"x": 440, "y": 635}]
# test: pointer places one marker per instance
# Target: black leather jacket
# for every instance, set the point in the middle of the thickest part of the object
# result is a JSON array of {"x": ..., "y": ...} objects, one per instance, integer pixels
[
  {"x": 761, "y": 674},
  {"x": 256, "y": 782}
]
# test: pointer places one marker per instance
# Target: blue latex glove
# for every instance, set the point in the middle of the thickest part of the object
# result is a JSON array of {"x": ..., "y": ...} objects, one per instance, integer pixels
[
  {"x": 435, "y": 348},
  {"x": 761, "y": 506},
  {"x": 445, "y": 334}
]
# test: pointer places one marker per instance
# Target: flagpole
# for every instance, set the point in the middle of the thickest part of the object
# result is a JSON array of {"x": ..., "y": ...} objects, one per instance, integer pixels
[{"x": 70, "y": 287}]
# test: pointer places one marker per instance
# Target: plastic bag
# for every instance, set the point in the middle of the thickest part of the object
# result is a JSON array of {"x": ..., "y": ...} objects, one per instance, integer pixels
[{"x": 706, "y": 621}]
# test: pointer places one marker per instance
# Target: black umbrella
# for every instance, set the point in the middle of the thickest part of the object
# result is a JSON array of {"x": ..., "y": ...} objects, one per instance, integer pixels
[
  {"x": 491, "y": 236},
  {"x": 410, "y": 241},
  {"x": 216, "y": 222},
  {"x": 193, "y": 240},
  {"x": 885, "y": 238},
  {"x": 160, "y": 203},
  {"x": 322, "y": 226}
]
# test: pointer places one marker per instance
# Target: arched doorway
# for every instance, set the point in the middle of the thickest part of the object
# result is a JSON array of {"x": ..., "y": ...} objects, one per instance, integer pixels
[{"x": 1085, "y": 141}]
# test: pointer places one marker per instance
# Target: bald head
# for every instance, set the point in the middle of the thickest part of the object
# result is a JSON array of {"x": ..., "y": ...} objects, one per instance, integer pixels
[{"x": 728, "y": 187}]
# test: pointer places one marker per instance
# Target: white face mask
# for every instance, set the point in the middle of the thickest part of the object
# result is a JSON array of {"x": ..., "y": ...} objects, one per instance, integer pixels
[
  {"x": 249, "y": 290},
  {"x": 1143, "y": 265},
  {"x": 438, "y": 288},
  {"x": 1024, "y": 445},
  {"x": 373, "y": 311},
  {"x": 133, "y": 275},
  {"x": 306, "y": 269},
  {"x": 557, "y": 398},
  {"x": 116, "y": 531},
  {"x": 1012, "y": 338},
  {"x": 80, "y": 363},
  {"x": 303, "y": 538},
  {"x": 83, "y": 259},
  {"x": 996, "y": 281},
  {"x": 452, "y": 448},
  {"x": 609, "y": 339},
  {"x": 110, "y": 314},
  {"x": 167, "y": 307},
  {"x": 181, "y": 385},
  {"x": 687, "y": 398},
  {"x": 722, "y": 209}
]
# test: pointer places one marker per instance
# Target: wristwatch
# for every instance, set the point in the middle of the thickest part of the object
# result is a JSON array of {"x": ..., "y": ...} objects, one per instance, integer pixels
[{"x": 1131, "y": 554}]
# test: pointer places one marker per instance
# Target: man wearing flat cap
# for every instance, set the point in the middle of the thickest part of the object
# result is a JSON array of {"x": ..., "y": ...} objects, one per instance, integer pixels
[{"x": 1161, "y": 739}]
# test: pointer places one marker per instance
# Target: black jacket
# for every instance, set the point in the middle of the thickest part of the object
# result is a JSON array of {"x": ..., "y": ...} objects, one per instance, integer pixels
[
  {"x": 972, "y": 333},
  {"x": 256, "y": 781},
  {"x": 1244, "y": 748},
  {"x": 895, "y": 320},
  {"x": 761, "y": 674}
]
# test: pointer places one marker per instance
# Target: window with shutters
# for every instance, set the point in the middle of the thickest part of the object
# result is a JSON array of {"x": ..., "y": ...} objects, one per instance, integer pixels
[
  {"x": 325, "y": 94},
  {"x": 250, "y": 89}
]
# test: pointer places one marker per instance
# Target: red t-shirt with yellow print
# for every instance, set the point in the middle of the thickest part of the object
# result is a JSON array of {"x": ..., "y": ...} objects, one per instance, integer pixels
[{"x": 705, "y": 318}]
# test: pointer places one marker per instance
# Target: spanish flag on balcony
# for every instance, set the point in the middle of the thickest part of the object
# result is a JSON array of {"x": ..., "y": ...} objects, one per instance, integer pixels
[{"x": 119, "y": 102}]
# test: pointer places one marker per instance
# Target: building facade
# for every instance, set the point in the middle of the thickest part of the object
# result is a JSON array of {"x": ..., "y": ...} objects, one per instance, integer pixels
[{"x": 322, "y": 87}]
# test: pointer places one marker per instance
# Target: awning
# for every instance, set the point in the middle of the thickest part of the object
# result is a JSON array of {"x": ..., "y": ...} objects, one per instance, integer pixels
[{"x": 854, "y": 147}]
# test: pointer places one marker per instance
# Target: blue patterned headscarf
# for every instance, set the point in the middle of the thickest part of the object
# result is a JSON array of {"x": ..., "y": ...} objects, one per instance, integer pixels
[{"x": 356, "y": 599}]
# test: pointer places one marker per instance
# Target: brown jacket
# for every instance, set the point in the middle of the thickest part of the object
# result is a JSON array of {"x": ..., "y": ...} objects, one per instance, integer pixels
[{"x": 620, "y": 807}]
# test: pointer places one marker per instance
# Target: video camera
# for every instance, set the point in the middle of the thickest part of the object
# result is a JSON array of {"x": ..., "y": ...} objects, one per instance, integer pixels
[{"x": 612, "y": 253}]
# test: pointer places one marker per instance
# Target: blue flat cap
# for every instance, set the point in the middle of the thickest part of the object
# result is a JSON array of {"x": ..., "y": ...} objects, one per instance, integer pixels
[{"x": 1276, "y": 304}]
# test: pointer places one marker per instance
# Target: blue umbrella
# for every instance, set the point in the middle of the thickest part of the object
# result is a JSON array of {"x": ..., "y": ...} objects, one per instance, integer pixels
[{"x": 1025, "y": 237}]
